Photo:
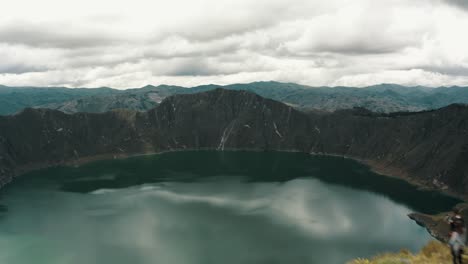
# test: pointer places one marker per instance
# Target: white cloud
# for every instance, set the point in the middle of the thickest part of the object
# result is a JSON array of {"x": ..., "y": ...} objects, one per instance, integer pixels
[
  {"x": 411, "y": 77},
  {"x": 133, "y": 43}
]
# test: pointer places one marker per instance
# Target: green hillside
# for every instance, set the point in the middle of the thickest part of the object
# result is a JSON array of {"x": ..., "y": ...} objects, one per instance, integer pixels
[{"x": 383, "y": 98}]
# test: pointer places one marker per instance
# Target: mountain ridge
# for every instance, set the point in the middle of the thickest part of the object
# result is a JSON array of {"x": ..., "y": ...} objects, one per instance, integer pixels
[
  {"x": 427, "y": 148},
  {"x": 384, "y": 98}
]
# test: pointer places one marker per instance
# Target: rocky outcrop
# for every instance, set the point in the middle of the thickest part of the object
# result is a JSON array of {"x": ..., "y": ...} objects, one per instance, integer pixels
[
  {"x": 427, "y": 147},
  {"x": 437, "y": 225}
]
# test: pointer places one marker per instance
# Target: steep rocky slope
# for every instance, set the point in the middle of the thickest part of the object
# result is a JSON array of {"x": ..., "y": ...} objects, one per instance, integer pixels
[{"x": 426, "y": 147}]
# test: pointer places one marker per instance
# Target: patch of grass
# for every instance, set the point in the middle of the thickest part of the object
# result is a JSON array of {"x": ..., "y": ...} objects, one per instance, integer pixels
[{"x": 434, "y": 252}]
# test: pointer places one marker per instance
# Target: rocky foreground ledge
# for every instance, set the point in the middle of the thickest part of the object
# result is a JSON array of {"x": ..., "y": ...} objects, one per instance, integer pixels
[
  {"x": 437, "y": 225},
  {"x": 428, "y": 148}
]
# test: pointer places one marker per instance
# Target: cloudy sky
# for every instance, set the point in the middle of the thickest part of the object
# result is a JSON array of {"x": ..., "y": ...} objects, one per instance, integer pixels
[{"x": 131, "y": 43}]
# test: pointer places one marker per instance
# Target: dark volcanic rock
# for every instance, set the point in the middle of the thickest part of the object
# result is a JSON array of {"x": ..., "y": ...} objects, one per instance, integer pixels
[
  {"x": 426, "y": 147},
  {"x": 437, "y": 225},
  {"x": 225, "y": 119}
]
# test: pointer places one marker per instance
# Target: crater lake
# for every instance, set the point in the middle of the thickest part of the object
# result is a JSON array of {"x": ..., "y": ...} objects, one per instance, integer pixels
[{"x": 208, "y": 207}]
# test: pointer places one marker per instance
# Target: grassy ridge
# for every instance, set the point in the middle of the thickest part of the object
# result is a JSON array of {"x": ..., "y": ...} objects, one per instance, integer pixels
[{"x": 434, "y": 252}]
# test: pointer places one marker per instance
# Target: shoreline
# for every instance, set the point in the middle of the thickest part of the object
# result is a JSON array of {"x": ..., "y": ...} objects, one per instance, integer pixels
[
  {"x": 397, "y": 173},
  {"x": 432, "y": 223},
  {"x": 373, "y": 166}
]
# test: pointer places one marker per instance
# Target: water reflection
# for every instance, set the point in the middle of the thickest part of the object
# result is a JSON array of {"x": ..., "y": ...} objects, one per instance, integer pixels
[
  {"x": 222, "y": 221},
  {"x": 234, "y": 214},
  {"x": 252, "y": 166}
]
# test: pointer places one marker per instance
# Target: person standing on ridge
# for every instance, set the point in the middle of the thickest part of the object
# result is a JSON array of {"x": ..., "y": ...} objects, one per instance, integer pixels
[
  {"x": 457, "y": 235},
  {"x": 456, "y": 220},
  {"x": 457, "y": 243}
]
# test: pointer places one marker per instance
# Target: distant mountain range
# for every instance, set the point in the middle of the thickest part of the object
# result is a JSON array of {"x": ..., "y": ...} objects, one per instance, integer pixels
[
  {"x": 429, "y": 147},
  {"x": 384, "y": 98}
]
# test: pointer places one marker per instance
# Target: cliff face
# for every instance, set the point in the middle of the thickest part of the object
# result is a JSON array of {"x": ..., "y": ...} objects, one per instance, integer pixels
[{"x": 429, "y": 147}]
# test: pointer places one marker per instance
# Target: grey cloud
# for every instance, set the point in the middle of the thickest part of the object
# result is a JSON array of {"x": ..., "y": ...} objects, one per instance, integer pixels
[
  {"x": 194, "y": 48},
  {"x": 359, "y": 48},
  {"x": 220, "y": 29},
  {"x": 203, "y": 66},
  {"x": 19, "y": 69},
  {"x": 311, "y": 42},
  {"x": 459, "y": 3},
  {"x": 447, "y": 70},
  {"x": 57, "y": 36},
  {"x": 359, "y": 43},
  {"x": 198, "y": 51},
  {"x": 194, "y": 69},
  {"x": 238, "y": 22},
  {"x": 100, "y": 57}
]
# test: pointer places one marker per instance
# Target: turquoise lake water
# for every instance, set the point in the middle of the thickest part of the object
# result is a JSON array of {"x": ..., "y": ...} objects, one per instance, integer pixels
[{"x": 210, "y": 207}]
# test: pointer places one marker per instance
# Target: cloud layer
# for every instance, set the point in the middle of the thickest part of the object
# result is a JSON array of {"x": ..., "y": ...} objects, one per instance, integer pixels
[{"x": 127, "y": 44}]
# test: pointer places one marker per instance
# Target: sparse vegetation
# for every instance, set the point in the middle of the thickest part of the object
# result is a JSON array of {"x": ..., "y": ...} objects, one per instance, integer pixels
[
  {"x": 383, "y": 98},
  {"x": 434, "y": 252}
]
